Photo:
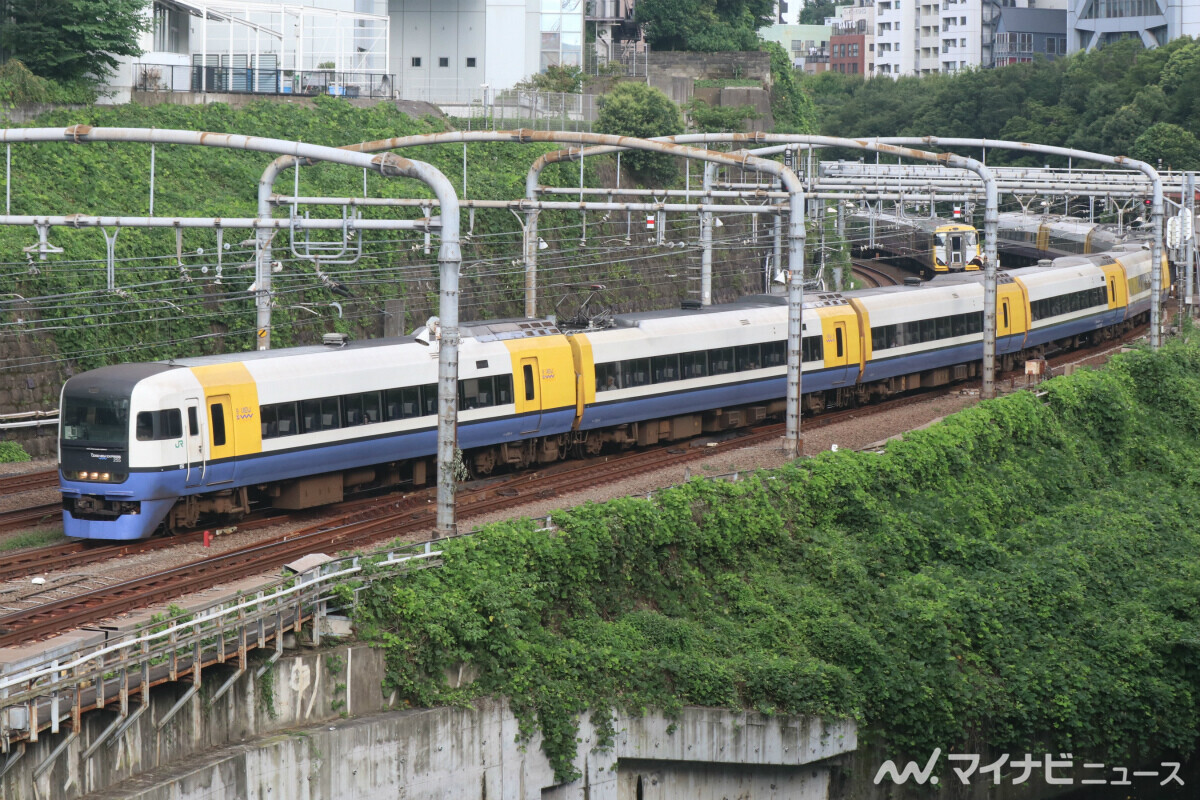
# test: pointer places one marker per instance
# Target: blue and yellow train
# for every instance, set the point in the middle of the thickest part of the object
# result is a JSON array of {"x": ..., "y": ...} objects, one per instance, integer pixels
[{"x": 173, "y": 444}]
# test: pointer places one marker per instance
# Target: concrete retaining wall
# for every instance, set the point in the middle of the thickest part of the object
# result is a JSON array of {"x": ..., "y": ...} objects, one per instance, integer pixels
[{"x": 319, "y": 727}]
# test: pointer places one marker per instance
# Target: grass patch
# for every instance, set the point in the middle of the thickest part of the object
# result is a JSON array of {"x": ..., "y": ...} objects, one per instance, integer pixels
[
  {"x": 36, "y": 538},
  {"x": 724, "y": 83}
]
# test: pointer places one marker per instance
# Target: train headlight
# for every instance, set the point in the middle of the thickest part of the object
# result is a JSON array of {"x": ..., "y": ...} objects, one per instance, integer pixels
[
  {"x": 95, "y": 475},
  {"x": 104, "y": 476}
]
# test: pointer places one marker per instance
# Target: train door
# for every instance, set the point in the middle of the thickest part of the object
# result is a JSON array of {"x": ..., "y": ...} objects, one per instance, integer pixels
[
  {"x": 956, "y": 250},
  {"x": 530, "y": 392},
  {"x": 193, "y": 442},
  {"x": 837, "y": 356},
  {"x": 220, "y": 433}
]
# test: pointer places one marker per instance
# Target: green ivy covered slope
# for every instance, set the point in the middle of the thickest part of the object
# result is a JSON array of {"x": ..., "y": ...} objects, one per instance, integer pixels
[{"x": 1024, "y": 573}]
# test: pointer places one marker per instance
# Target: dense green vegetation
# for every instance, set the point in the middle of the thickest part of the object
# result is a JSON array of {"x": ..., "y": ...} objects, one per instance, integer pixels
[
  {"x": 71, "y": 40},
  {"x": 636, "y": 109},
  {"x": 703, "y": 25},
  {"x": 1021, "y": 576},
  {"x": 1121, "y": 99},
  {"x": 19, "y": 86},
  {"x": 11, "y": 452}
]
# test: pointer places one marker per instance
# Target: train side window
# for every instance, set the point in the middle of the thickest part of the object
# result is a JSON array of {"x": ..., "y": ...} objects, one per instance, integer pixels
[
  {"x": 748, "y": 357},
  {"x": 958, "y": 325},
  {"x": 331, "y": 416},
  {"x": 391, "y": 405},
  {"x": 665, "y": 368},
  {"x": 608, "y": 377},
  {"x": 977, "y": 322},
  {"x": 475, "y": 393},
  {"x": 530, "y": 389},
  {"x": 636, "y": 372},
  {"x": 159, "y": 425},
  {"x": 429, "y": 399},
  {"x": 841, "y": 348},
  {"x": 371, "y": 407},
  {"x": 504, "y": 394},
  {"x": 270, "y": 425},
  {"x": 944, "y": 327},
  {"x": 352, "y": 408},
  {"x": 879, "y": 338},
  {"x": 218, "y": 424},
  {"x": 720, "y": 362},
  {"x": 288, "y": 420},
  {"x": 774, "y": 354},
  {"x": 811, "y": 349},
  {"x": 694, "y": 365},
  {"x": 310, "y": 414},
  {"x": 193, "y": 421},
  {"x": 928, "y": 330}
]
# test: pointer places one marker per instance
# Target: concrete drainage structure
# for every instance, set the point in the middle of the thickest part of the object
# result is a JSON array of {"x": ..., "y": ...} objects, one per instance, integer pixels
[{"x": 317, "y": 725}]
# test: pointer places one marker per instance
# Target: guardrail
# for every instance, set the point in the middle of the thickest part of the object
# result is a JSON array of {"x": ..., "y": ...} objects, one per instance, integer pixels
[
  {"x": 50, "y": 692},
  {"x": 28, "y": 419},
  {"x": 229, "y": 79}
]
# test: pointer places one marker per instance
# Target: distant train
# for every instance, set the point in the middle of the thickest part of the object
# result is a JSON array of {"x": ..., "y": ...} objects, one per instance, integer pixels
[
  {"x": 1049, "y": 236},
  {"x": 927, "y": 245},
  {"x": 171, "y": 444}
]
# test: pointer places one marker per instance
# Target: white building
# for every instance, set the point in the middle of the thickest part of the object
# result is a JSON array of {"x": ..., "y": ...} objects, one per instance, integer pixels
[
  {"x": 1093, "y": 23},
  {"x": 920, "y": 37},
  {"x": 438, "y": 50}
]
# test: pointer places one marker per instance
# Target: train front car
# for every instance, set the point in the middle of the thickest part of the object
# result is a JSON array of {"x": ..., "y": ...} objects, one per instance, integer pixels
[
  {"x": 955, "y": 248},
  {"x": 119, "y": 452}
]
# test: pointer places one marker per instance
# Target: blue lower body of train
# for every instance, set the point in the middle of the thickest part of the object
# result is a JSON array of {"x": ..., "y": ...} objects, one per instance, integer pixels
[{"x": 157, "y": 491}]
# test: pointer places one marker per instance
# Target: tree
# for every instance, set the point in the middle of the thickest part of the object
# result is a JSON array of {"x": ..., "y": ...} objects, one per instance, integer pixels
[
  {"x": 1177, "y": 147},
  {"x": 703, "y": 25},
  {"x": 815, "y": 13},
  {"x": 71, "y": 39},
  {"x": 718, "y": 119},
  {"x": 635, "y": 109},
  {"x": 567, "y": 80}
]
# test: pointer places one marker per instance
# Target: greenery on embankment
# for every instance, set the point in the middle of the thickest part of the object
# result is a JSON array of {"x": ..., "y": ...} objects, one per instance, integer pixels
[
  {"x": 1120, "y": 100},
  {"x": 160, "y": 312},
  {"x": 1022, "y": 574}
]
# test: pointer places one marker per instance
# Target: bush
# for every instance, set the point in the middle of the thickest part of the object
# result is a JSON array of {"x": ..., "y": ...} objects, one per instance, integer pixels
[
  {"x": 635, "y": 109},
  {"x": 11, "y": 453},
  {"x": 1021, "y": 576}
]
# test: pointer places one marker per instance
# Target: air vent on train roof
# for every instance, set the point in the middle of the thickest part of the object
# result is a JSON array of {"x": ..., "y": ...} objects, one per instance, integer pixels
[
  {"x": 691, "y": 305},
  {"x": 335, "y": 339},
  {"x": 912, "y": 280}
]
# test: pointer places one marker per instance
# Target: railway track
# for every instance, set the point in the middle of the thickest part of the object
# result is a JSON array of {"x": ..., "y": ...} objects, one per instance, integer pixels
[
  {"x": 24, "y": 518},
  {"x": 368, "y": 521},
  {"x": 871, "y": 274},
  {"x": 409, "y": 516},
  {"x": 28, "y": 481}
]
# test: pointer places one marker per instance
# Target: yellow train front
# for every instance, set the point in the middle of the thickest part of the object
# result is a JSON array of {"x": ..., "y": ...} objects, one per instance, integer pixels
[{"x": 925, "y": 245}]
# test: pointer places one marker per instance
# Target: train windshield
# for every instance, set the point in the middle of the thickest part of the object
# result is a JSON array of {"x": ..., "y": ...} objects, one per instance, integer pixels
[{"x": 95, "y": 418}]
